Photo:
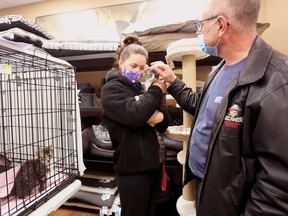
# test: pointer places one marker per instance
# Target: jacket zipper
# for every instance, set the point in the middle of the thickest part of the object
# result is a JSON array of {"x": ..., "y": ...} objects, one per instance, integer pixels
[{"x": 213, "y": 140}]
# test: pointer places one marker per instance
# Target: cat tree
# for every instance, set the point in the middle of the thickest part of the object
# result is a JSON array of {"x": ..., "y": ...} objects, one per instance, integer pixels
[{"x": 187, "y": 51}]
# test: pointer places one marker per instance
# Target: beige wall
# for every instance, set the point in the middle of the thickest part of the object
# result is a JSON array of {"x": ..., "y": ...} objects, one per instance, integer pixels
[
  {"x": 47, "y": 7},
  {"x": 276, "y": 14},
  {"x": 272, "y": 11}
]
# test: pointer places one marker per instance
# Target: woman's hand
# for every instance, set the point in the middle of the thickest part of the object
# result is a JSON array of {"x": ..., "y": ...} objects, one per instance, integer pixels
[
  {"x": 155, "y": 118},
  {"x": 161, "y": 83}
]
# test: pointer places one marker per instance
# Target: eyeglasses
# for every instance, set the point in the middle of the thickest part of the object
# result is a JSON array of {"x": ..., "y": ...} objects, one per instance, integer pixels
[{"x": 199, "y": 23}]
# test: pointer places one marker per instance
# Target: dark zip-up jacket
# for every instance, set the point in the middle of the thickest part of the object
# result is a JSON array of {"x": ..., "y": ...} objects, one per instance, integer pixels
[
  {"x": 125, "y": 114},
  {"x": 246, "y": 170}
]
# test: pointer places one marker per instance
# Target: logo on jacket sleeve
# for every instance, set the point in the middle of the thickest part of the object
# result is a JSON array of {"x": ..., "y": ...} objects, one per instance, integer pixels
[{"x": 233, "y": 118}]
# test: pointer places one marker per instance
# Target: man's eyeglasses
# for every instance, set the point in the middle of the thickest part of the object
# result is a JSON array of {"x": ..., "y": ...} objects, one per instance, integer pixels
[{"x": 199, "y": 23}]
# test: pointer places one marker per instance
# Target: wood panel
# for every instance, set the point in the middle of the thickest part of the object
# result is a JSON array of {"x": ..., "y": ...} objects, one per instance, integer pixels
[{"x": 64, "y": 211}]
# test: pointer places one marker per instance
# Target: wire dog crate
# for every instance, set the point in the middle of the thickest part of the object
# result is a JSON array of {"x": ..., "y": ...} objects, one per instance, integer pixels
[{"x": 38, "y": 108}]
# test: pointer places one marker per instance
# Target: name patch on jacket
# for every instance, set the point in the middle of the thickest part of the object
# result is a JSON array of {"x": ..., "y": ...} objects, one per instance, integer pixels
[{"x": 233, "y": 118}]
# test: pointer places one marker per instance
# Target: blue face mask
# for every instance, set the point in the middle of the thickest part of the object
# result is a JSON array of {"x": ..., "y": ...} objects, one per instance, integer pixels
[
  {"x": 133, "y": 76},
  {"x": 208, "y": 49}
]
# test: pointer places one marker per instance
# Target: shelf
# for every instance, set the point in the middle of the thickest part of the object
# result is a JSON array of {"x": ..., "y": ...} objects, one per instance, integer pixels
[
  {"x": 174, "y": 109},
  {"x": 97, "y": 111},
  {"x": 170, "y": 161},
  {"x": 89, "y": 56},
  {"x": 90, "y": 111},
  {"x": 102, "y": 61},
  {"x": 178, "y": 133}
]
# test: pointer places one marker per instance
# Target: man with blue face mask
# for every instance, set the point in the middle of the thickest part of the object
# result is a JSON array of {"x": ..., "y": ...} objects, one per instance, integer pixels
[{"x": 238, "y": 146}]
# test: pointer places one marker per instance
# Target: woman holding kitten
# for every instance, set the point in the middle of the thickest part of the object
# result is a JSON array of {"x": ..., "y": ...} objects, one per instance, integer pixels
[{"x": 131, "y": 116}]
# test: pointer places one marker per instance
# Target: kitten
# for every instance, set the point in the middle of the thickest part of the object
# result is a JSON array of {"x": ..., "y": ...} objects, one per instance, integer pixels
[
  {"x": 32, "y": 175},
  {"x": 151, "y": 77}
]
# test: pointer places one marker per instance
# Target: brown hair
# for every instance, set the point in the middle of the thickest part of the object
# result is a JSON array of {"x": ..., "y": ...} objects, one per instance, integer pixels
[{"x": 130, "y": 45}]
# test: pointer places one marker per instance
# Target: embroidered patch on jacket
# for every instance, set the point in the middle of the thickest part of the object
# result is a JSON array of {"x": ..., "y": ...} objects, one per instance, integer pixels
[{"x": 233, "y": 118}]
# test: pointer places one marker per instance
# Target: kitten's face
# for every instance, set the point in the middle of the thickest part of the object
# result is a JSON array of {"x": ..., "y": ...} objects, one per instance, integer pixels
[
  {"x": 150, "y": 77},
  {"x": 46, "y": 153}
]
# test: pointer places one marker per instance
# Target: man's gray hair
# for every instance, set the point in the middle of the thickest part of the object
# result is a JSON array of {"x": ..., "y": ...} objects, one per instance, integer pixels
[{"x": 241, "y": 13}]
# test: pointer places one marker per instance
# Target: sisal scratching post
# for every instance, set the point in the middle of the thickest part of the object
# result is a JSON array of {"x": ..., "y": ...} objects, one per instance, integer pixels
[
  {"x": 189, "y": 77},
  {"x": 187, "y": 51}
]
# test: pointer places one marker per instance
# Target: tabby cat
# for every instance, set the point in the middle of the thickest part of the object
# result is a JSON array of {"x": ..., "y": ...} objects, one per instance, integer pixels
[{"x": 32, "y": 175}]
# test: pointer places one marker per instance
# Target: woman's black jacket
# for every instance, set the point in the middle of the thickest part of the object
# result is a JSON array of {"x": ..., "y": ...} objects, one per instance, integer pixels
[{"x": 126, "y": 111}]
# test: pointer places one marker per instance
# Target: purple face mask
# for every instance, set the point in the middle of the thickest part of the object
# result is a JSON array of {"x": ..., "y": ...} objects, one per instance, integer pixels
[{"x": 133, "y": 76}]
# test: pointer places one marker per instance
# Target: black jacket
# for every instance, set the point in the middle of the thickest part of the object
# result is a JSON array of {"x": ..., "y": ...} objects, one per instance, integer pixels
[
  {"x": 247, "y": 161},
  {"x": 135, "y": 142}
]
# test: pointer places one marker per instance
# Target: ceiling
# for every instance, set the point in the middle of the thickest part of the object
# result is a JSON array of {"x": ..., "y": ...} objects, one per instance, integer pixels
[{"x": 13, "y": 3}]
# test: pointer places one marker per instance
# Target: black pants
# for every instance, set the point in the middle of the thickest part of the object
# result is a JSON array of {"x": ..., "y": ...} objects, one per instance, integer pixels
[
  {"x": 138, "y": 193},
  {"x": 198, "y": 186}
]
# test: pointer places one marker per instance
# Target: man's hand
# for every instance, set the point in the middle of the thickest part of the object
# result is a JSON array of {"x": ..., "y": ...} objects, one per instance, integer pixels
[{"x": 163, "y": 70}]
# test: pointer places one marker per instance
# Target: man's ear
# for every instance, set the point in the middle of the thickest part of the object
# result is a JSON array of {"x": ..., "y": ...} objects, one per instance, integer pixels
[{"x": 223, "y": 24}]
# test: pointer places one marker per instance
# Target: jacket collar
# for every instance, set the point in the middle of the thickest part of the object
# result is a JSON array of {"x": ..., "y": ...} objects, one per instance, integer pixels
[{"x": 257, "y": 61}]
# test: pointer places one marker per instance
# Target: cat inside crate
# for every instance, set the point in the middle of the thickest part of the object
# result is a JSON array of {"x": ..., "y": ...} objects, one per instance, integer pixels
[{"x": 32, "y": 175}]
